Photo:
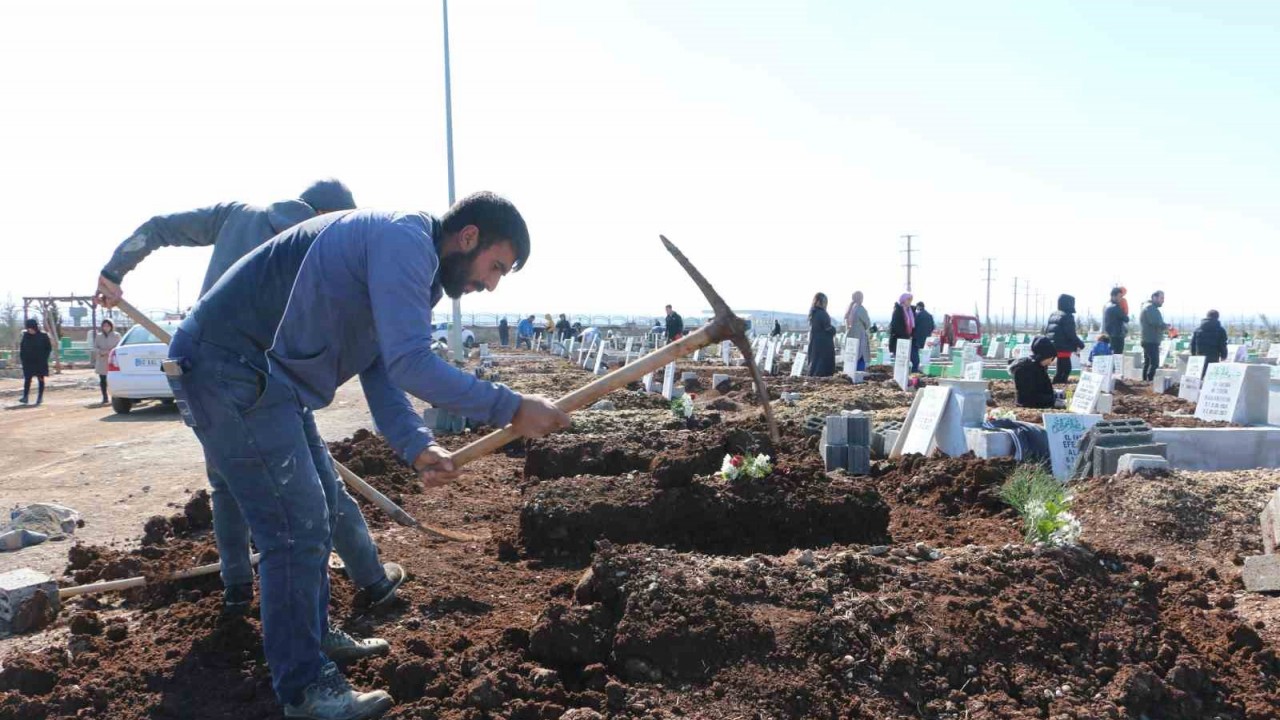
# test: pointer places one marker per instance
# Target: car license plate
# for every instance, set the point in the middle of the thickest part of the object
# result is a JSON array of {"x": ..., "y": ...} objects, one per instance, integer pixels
[{"x": 147, "y": 362}]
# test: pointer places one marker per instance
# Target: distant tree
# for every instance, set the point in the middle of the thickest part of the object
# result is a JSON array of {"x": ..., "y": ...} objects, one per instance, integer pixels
[{"x": 10, "y": 324}]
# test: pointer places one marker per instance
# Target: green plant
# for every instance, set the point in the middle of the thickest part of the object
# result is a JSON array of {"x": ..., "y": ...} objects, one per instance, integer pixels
[
  {"x": 736, "y": 466},
  {"x": 682, "y": 407},
  {"x": 1044, "y": 505}
]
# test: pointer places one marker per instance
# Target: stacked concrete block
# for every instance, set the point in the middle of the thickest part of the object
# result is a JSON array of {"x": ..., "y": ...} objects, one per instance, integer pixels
[
  {"x": 1106, "y": 442},
  {"x": 884, "y": 437},
  {"x": 846, "y": 443},
  {"x": 1133, "y": 462},
  {"x": 27, "y": 599}
]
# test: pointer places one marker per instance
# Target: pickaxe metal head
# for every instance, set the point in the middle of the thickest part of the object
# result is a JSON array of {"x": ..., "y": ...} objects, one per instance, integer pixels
[{"x": 727, "y": 326}]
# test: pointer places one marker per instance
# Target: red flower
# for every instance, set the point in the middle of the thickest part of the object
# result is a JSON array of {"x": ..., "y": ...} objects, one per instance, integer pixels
[{"x": 736, "y": 461}]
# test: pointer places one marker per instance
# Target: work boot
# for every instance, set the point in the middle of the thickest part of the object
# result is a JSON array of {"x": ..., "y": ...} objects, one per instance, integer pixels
[
  {"x": 22, "y": 400},
  {"x": 236, "y": 600},
  {"x": 40, "y": 396},
  {"x": 330, "y": 697},
  {"x": 343, "y": 648},
  {"x": 381, "y": 592}
]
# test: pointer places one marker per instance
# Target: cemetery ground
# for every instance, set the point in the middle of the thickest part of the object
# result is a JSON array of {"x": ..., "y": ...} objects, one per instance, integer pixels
[{"x": 624, "y": 578}]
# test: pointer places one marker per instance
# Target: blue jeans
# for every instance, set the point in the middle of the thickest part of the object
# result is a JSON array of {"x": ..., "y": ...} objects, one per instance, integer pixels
[
  {"x": 261, "y": 442},
  {"x": 351, "y": 539}
]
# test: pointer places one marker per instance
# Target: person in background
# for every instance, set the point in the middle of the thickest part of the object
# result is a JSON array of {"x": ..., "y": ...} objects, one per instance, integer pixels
[
  {"x": 777, "y": 329},
  {"x": 1101, "y": 348},
  {"x": 920, "y": 335},
  {"x": 1154, "y": 329},
  {"x": 577, "y": 330},
  {"x": 1210, "y": 340},
  {"x": 822, "y": 339},
  {"x": 1123, "y": 302},
  {"x": 902, "y": 327},
  {"x": 563, "y": 329},
  {"x": 1115, "y": 318},
  {"x": 1062, "y": 330},
  {"x": 1031, "y": 375},
  {"x": 549, "y": 324},
  {"x": 34, "y": 351},
  {"x": 504, "y": 332},
  {"x": 524, "y": 333},
  {"x": 857, "y": 325},
  {"x": 103, "y": 343},
  {"x": 675, "y": 325}
]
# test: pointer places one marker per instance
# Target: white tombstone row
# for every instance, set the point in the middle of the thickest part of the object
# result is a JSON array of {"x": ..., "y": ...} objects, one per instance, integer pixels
[
  {"x": 771, "y": 351},
  {"x": 973, "y": 371},
  {"x": 850, "y": 353},
  {"x": 933, "y": 421},
  {"x": 797, "y": 367},
  {"x": 1235, "y": 392}
]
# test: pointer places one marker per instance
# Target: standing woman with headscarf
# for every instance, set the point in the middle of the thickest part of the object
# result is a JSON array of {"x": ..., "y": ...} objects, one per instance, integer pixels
[
  {"x": 903, "y": 326},
  {"x": 822, "y": 339},
  {"x": 103, "y": 343},
  {"x": 858, "y": 324}
]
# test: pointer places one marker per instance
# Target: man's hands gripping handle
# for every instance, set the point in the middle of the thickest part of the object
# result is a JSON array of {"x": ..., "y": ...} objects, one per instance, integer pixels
[{"x": 536, "y": 418}]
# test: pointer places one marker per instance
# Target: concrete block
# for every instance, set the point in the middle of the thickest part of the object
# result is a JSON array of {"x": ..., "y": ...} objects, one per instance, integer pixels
[
  {"x": 1106, "y": 460},
  {"x": 1269, "y": 520},
  {"x": 688, "y": 375},
  {"x": 721, "y": 382},
  {"x": 1133, "y": 462},
  {"x": 442, "y": 421},
  {"x": 835, "y": 457},
  {"x": 858, "y": 429},
  {"x": 1261, "y": 573},
  {"x": 1273, "y": 402},
  {"x": 1221, "y": 448},
  {"x": 27, "y": 600},
  {"x": 835, "y": 432},
  {"x": 859, "y": 461},
  {"x": 988, "y": 443}
]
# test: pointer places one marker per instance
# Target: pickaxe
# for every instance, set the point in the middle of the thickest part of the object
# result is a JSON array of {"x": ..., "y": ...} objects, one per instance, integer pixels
[
  {"x": 724, "y": 326},
  {"x": 355, "y": 482}
]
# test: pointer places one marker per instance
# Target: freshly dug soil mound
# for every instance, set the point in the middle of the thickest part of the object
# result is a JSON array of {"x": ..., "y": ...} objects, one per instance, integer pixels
[
  {"x": 951, "y": 501},
  {"x": 559, "y": 456},
  {"x": 370, "y": 457},
  {"x": 771, "y": 515}
]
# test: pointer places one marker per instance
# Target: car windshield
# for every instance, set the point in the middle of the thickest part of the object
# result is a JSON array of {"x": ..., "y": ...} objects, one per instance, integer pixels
[
  {"x": 139, "y": 335},
  {"x": 969, "y": 326}
]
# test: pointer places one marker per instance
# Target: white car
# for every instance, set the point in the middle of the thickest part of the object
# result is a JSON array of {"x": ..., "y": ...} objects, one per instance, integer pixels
[
  {"x": 440, "y": 332},
  {"x": 133, "y": 368}
]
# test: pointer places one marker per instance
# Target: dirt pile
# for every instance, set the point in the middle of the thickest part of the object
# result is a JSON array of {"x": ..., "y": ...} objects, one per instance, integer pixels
[
  {"x": 568, "y": 455},
  {"x": 370, "y": 457},
  {"x": 953, "y": 501}
]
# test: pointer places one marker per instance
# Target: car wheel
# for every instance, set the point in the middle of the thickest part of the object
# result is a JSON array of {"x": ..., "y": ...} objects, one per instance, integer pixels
[
  {"x": 469, "y": 342},
  {"x": 121, "y": 405}
]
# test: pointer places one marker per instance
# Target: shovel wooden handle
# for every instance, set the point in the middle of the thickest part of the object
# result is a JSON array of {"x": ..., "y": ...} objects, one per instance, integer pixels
[
  {"x": 133, "y": 582},
  {"x": 588, "y": 394},
  {"x": 143, "y": 320}
]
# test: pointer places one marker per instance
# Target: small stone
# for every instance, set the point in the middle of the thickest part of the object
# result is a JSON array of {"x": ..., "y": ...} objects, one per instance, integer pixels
[
  {"x": 544, "y": 677},
  {"x": 116, "y": 633},
  {"x": 581, "y": 714},
  {"x": 806, "y": 558},
  {"x": 606, "y": 405},
  {"x": 616, "y": 695},
  {"x": 484, "y": 693},
  {"x": 878, "y": 550}
]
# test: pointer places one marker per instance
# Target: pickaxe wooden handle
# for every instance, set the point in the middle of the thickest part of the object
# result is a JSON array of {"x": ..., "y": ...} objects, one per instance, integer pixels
[
  {"x": 133, "y": 582},
  {"x": 356, "y": 483}
]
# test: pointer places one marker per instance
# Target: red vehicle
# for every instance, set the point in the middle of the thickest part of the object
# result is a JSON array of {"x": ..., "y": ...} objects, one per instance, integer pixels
[{"x": 960, "y": 327}]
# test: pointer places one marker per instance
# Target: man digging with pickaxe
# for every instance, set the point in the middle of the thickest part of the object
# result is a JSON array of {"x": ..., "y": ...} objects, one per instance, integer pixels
[{"x": 343, "y": 294}]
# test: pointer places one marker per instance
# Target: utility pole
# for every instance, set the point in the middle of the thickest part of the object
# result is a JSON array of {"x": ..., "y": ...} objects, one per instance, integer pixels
[
  {"x": 909, "y": 264},
  {"x": 989, "y": 278},
  {"x": 1026, "y": 303},
  {"x": 456, "y": 351},
  {"x": 1013, "y": 323}
]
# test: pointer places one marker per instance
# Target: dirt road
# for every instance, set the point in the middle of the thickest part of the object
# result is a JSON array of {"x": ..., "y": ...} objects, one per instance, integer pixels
[{"x": 117, "y": 470}]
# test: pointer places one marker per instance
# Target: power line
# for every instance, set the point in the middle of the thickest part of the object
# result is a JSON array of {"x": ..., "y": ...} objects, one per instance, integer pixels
[{"x": 909, "y": 264}]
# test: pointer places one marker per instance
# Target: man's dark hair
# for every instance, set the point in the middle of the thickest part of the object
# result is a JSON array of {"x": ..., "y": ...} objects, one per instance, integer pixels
[
  {"x": 1154, "y": 294},
  {"x": 1213, "y": 314},
  {"x": 498, "y": 221},
  {"x": 920, "y": 306},
  {"x": 1115, "y": 291}
]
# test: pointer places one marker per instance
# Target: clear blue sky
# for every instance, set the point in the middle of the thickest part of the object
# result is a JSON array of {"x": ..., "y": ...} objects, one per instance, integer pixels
[{"x": 784, "y": 146}]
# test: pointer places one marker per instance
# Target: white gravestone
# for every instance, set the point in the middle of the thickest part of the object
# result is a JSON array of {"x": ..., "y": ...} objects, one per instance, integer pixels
[
  {"x": 569, "y": 352},
  {"x": 902, "y": 364},
  {"x": 669, "y": 382},
  {"x": 787, "y": 356},
  {"x": 697, "y": 355},
  {"x": 1065, "y": 431},
  {"x": 1273, "y": 352},
  {"x": 997, "y": 349},
  {"x": 934, "y": 420},
  {"x": 1234, "y": 351},
  {"x": 770, "y": 354},
  {"x": 1235, "y": 392},
  {"x": 726, "y": 348},
  {"x": 1117, "y": 365},
  {"x": 973, "y": 371},
  {"x": 797, "y": 367},
  {"x": 926, "y": 357},
  {"x": 969, "y": 355},
  {"x": 599, "y": 366},
  {"x": 850, "y": 354},
  {"x": 1189, "y": 388},
  {"x": 1166, "y": 347},
  {"x": 626, "y": 353},
  {"x": 1085, "y": 400},
  {"x": 647, "y": 382}
]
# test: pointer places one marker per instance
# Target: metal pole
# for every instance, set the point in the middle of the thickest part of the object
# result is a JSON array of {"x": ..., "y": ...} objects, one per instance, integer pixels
[
  {"x": 1013, "y": 322},
  {"x": 456, "y": 351}
]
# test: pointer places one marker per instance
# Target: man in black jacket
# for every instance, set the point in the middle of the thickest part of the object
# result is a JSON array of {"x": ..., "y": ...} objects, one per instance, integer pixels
[
  {"x": 675, "y": 325},
  {"x": 1115, "y": 322},
  {"x": 1031, "y": 375},
  {"x": 1210, "y": 340},
  {"x": 34, "y": 352},
  {"x": 920, "y": 334},
  {"x": 563, "y": 329},
  {"x": 1062, "y": 330}
]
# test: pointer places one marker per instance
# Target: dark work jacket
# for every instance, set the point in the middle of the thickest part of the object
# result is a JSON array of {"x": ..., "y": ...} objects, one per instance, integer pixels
[
  {"x": 1115, "y": 323},
  {"x": 1210, "y": 340},
  {"x": 898, "y": 328},
  {"x": 563, "y": 330},
  {"x": 34, "y": 352},
  {"x": 1062, "y": 326},
  {"x": 1032, "y": 383},
  {"x": 675, "y": 325},
  {"x": 924, "y": 327},
  {"x": 822, "y": 344}
]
